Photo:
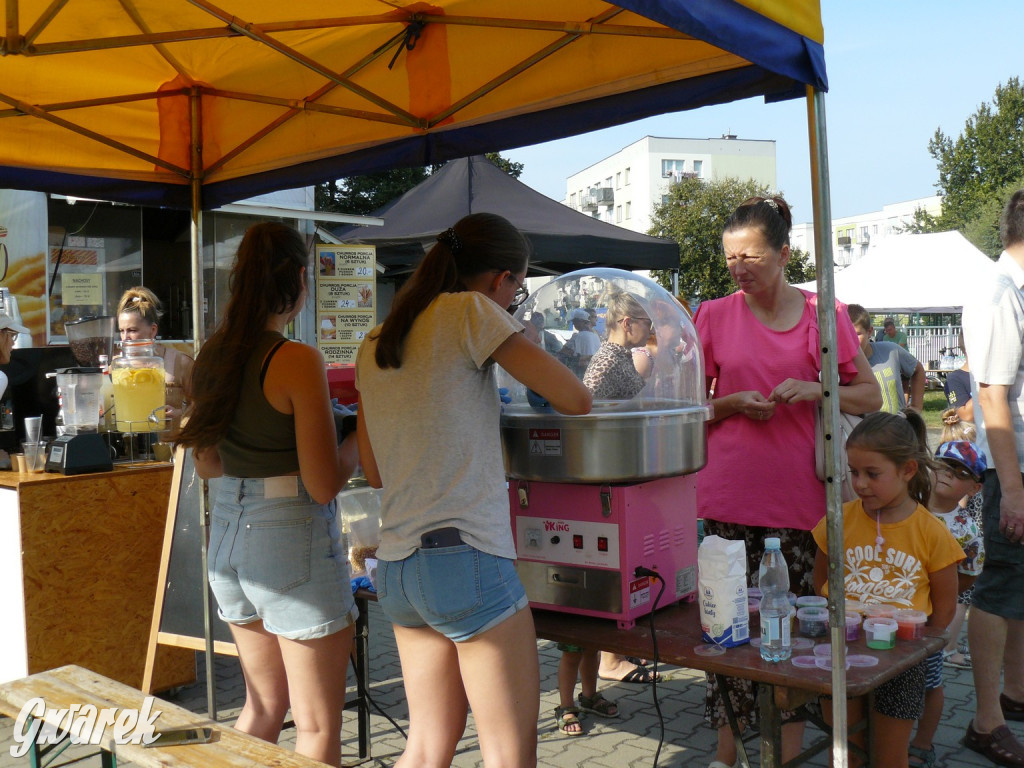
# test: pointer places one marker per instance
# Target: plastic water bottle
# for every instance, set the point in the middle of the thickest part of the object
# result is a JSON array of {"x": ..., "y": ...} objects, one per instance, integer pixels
[{"x": 776, "y": 619}]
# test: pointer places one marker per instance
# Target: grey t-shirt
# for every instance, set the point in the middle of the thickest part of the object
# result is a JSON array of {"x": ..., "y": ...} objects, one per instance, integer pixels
[
  {"x": 888, "y": 361},
  {"x": 433, "y": 425}
]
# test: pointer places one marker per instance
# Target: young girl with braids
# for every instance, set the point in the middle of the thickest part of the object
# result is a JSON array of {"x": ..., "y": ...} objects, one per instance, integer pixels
[
  {"x": 895, "y": 552},
  {"x": 428, "y": 434}
]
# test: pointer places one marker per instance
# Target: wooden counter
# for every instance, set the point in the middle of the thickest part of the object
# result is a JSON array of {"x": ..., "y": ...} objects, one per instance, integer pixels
[{"x": 79, "y": 558}]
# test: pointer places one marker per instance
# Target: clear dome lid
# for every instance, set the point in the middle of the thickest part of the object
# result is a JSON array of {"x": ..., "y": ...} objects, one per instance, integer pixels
[{"x": 629, "y": 340}]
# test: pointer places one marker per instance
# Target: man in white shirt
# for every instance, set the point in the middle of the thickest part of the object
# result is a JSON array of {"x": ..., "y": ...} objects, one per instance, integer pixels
[{"x": 993, "y": 323}]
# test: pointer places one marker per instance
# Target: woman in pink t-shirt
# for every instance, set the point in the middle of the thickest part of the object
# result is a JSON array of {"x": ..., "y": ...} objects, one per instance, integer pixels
[{"x": 761, "y": 353}]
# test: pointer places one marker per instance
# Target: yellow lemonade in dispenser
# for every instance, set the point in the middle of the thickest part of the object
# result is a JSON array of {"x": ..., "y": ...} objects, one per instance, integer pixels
[
  {"x": 139, "y": 388},
  {"x": 138, "y": 392}
]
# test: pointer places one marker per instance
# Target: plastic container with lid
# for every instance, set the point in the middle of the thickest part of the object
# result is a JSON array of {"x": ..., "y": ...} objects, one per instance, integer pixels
[
  {"x": 853, "y": 620},
  {"x": 139, "y": 387},
  {"x": 880, "y": 633},
  {"x": 878, "y": 611},
  {"x": 641, "y": 427},
  {"x": 811, "y": 601},
  {"x": 813, "y": 621},
  {"x": 910, "y": 624}
]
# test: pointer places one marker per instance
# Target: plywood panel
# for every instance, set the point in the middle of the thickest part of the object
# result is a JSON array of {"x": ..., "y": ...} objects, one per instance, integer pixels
[{"x": 91, "y": 552}]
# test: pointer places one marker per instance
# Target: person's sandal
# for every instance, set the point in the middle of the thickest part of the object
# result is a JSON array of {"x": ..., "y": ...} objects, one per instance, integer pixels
[
  {"x": 921, "y": 758},
  {"x": 1012, "y": 710},
  {"x": 1000, "y": 746},
  {"x": 598, "y": 705},
  {"x": 566, "y": 718}
]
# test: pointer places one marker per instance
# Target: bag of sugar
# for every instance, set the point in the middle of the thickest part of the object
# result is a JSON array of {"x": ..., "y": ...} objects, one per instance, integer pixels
[{"x": 722, "y": 586}]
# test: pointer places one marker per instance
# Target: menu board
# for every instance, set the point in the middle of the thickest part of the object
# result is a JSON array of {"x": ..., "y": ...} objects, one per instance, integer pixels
[{"x": 345, "y": 299}]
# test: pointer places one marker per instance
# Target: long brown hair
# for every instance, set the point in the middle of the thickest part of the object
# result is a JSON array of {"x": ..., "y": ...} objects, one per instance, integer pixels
[
  {"x": 478, "y": 243},
  {"x": 265, "y": 280}
]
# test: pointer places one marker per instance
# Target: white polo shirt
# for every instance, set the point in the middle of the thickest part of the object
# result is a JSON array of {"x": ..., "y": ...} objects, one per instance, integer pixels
[{"x": 993, "y": 322}]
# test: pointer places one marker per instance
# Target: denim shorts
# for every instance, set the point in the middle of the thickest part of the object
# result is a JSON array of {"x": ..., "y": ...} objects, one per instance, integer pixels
[
  {"x": 459, "y": 591},
  {"x": 998, "y": 587},
  {"x": 279, "y": 560}
]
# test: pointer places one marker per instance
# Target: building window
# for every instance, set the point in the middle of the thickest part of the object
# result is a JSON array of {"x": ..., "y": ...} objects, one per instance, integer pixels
[
  {"x": 572, "y": 200},
  {"x": 618, "y": 179},
  {"x": 864, "y": 233},
  {"x": 664, "y": 199},
  {"x": 671, "y": 168},
  {"x": 629, "y": 206},
  {"x": 618, "y": 213},
  {"x": 626, "y": 179},
  {"x": 697, "y": 165},
  {"x": 876, "y": 229}
]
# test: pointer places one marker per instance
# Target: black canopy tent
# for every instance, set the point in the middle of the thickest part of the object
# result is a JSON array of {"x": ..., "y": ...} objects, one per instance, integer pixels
[{"x": 563, "y": 239}]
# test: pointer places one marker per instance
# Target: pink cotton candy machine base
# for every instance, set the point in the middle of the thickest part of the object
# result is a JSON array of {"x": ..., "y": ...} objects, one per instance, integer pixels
[{"x": 578, "y": 546}]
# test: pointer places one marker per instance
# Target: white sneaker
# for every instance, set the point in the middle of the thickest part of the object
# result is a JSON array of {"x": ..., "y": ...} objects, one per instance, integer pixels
[{"x": 720, "y": 764}]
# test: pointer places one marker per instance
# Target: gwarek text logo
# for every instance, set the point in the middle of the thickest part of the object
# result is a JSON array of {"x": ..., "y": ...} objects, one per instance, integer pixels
[{"x": 82, "y": 724}]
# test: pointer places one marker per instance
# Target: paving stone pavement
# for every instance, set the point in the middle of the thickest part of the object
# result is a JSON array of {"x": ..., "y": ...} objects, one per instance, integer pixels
[{"x": 628, "y": 741}]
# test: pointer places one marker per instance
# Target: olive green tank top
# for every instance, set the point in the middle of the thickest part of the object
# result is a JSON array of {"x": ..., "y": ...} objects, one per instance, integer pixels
[{"x": 261, "y": 440}]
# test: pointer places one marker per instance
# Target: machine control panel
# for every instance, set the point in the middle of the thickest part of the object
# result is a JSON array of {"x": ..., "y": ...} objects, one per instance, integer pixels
[{"x": 568, "y": 542}]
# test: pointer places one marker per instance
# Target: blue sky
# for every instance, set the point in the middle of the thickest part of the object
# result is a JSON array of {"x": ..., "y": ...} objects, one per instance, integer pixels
[{"x": 897, "y": 71}]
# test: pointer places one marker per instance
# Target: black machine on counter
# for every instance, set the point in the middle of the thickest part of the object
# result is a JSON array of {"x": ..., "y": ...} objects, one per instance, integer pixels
[{"x": 81, "y": 448}]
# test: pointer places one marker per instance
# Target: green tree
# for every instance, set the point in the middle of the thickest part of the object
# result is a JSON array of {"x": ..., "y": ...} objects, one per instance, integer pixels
[
  {"x": 986, "y": 156},
  {"x": 921, "y": 223},
  {"x": 362, "y": 195},
  {"x": 693, "y": 215}
]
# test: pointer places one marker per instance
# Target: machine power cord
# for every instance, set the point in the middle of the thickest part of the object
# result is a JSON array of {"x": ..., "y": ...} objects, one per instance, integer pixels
[{"x": 641, "y": 571}]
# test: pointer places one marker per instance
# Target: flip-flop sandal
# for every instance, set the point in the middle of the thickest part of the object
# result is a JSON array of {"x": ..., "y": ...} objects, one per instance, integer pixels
[
  {"x": 921, "y": 758},
  {"x": 598, "y": 705},
  {"x": 641, "y": 675},
  {"x": 1000, "y": 746},
  {"x": 1012, "y": 710},
  {"x": 567, "y": 717},
  {"x": 638, "y": 661},
  {"x": 949, "y": 658}
]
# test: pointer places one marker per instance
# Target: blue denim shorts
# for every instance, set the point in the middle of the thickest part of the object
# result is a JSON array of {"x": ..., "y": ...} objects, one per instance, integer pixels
[
  {"x": 459, "y": 591},
  {"x": 279, "y": 560}
]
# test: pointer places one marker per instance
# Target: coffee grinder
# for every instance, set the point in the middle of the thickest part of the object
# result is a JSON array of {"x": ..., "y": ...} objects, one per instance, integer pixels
[{"x": 81, "y": 449}]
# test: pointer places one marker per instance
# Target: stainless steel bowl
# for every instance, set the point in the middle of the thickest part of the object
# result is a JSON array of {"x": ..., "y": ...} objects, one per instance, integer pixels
[{"x": 608, "y": 445}]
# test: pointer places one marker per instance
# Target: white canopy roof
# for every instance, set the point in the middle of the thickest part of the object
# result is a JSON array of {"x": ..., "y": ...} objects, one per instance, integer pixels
[{"x": 910, "y": 273}]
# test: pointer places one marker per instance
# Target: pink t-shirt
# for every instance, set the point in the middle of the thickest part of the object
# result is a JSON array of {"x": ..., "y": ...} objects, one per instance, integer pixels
[{"x": 762, "y": 473}]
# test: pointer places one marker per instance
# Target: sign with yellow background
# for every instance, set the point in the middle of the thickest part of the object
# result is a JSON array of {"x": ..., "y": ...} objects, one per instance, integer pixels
[{"x": 345, "y": 299}]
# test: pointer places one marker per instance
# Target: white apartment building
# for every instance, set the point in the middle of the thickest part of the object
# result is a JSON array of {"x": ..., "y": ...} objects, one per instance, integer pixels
[
  {"x": 853, "y": 235},
  {"x": 624, "y": 188}
]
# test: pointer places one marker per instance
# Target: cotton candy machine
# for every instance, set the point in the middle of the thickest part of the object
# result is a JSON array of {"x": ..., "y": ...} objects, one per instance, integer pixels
[{"x": 598, "y": 500}]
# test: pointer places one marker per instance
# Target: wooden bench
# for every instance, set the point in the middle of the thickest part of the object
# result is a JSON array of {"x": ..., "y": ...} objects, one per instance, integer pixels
[{"x": 67, "y": 686}]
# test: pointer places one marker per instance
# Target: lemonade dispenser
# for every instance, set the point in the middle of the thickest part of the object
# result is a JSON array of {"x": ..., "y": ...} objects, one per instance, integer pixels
[{"x": 137, "y": 375}]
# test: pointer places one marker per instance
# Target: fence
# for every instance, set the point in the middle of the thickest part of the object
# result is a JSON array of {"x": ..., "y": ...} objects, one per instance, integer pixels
[{"x": 936, "y": 346}]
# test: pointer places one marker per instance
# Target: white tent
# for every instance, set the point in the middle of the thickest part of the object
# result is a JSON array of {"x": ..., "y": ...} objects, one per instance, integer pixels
[{"x": 910, "y": 273}]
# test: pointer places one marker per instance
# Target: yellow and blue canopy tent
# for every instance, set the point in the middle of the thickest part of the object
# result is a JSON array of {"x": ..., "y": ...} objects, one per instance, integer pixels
[{"x": 197, "y": 103}]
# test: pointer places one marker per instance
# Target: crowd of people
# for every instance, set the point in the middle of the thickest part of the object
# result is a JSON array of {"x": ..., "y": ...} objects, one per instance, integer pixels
[{"x": 445, "y": 576}]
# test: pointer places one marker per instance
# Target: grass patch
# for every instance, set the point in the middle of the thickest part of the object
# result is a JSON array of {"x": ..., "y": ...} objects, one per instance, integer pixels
[{"x": 934, "y": 405}]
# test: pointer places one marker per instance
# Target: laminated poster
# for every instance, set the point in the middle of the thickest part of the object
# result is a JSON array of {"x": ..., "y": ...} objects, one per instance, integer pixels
[{"x": 345, "y": 299}]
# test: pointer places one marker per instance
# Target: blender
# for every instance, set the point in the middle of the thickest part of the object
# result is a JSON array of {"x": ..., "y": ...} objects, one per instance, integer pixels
[{"x": 80, "y": 448}]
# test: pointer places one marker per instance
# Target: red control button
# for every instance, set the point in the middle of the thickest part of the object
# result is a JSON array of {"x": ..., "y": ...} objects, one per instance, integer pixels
[
  {"x": 602, "y": 543},
  {"x": 577, "y": 541}
]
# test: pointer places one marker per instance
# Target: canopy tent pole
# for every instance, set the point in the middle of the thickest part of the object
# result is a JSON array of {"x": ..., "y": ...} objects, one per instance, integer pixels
[
  {"x": 198, "y": 328},
  {"x": 822, "y": 210}
]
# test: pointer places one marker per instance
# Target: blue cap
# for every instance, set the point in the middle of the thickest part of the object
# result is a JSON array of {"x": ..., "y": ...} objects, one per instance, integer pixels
[{"x": 966, "y": 453}]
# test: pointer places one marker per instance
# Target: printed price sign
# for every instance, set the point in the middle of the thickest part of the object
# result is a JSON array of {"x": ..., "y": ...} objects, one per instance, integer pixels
[{"x": 346, "y": 296}]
